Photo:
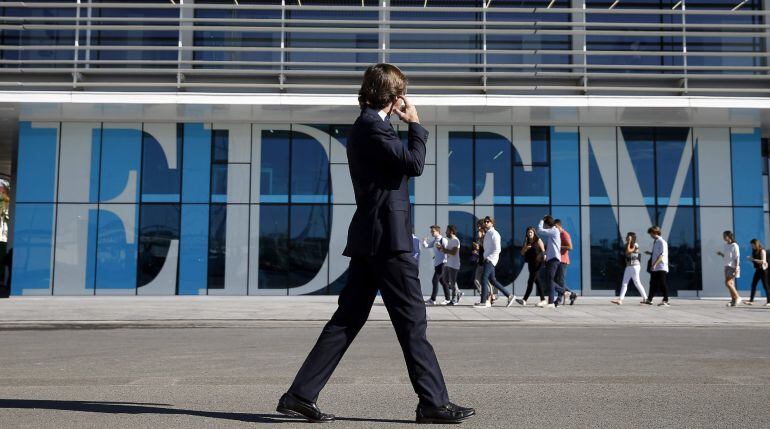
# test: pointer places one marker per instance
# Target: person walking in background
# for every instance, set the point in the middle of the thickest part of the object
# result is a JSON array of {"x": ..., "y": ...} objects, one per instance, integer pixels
[
  {"x": 759, "y": 259},
  {"x": 633, "y": 268},
  {"x": 492, "y": 248},
  {"x": 547, "y": 230},
  {"x": 731, "y": 259},
  {"x": 533, "y": 251},
  {"x": 561, "y": 273},
  {"x": 478, "y": 261},
  {"x": 452, "y": 251},
  {"x": 658, "y": 266},
  {"x": 439, "y": 261}
]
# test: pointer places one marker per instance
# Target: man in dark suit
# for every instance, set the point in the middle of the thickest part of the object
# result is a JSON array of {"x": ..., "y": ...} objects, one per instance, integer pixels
[{"x": 380, "y": 247}]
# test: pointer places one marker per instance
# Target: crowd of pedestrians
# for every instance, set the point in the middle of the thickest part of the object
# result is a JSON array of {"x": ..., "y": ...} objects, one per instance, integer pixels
[{"x": 545, "y": 252}]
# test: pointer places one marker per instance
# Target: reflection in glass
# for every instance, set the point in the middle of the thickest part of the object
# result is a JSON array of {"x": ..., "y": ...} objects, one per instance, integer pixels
[
  {"x": 219, "y": 183},
  {"x": 466, "y": 233},
  {"x": 309, "y": 170},
  {"x": 159, "y": 182},
  {"x": 273, "y": 246},
  {"x": 531, "y": 185},
  {"x": 539, "y": 141},
  {"x": 217, "y": 246},
  {"x": 493, "y": 155},
  {"x": 460, "y": 170},
  {"x": 684, "y": 255},
  {"x": 670, "y": 147},
  {"x": 159, "y": 225},
  {"x": 309, "y": 242},
  {"x": 607, "y": 263},
  {"x": 641, "y": 151},
  {"x": 274, "y": 171}
]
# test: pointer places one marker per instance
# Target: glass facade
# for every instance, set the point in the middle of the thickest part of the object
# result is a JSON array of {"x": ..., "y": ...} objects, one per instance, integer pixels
[{"x": 237, "y": 209}]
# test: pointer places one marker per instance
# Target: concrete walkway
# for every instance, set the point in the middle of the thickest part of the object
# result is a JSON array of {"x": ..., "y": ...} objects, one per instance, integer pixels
[{"x": 21, "y": 312}]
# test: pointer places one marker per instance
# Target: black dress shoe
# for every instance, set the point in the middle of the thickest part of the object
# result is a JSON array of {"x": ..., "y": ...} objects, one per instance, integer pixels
[
  {"x": 291, "y": 405},
  {"x": 449, "y": 413}
]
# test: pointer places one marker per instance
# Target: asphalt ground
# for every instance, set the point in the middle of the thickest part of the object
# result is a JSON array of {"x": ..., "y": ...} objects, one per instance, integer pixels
[{"x": 187, "y": 375}]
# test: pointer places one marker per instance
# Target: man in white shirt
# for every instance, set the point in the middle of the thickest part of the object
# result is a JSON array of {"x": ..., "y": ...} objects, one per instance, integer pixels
[
  {"x": 551, "y": 236},
  {"x": 658, "y": 266},
  {"x": 437, "y": 242},
  {"x": 492, "y": 248},
  {"x": 452, "y": 267}
]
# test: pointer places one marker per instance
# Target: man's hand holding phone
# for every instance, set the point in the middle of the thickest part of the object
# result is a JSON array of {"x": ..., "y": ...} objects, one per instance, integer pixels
[{"x": 405, "y": 110}]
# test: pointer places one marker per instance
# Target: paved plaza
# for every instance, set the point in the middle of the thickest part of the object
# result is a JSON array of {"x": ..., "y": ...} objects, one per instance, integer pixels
[{"x": 214, "y": 362}]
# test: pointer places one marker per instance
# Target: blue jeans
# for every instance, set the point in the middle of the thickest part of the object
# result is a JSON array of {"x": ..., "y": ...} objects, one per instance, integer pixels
[
  {"x": 551, "y": 270},
  {"x": 487, "y": 278},
  {"x": 561, "y": 279}
]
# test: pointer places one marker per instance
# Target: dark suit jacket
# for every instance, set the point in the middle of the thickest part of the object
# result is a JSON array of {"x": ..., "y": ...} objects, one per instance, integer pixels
[{"x": 380, "y": 166}]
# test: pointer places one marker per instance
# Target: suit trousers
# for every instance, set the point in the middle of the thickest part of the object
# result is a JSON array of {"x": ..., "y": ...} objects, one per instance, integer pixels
[{"x": 395, "y": 277}]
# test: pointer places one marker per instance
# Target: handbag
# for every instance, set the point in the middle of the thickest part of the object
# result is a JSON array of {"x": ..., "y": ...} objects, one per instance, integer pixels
[{"x": 649, "y": 265}]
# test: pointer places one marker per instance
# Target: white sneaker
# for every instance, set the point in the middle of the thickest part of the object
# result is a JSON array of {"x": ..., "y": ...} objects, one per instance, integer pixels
[
  {"x": 738, "y": 301},
  {"x": 445, "y": 302},
  {"x": 482, "y": 305},
  {"x": 542, "y": 303},
  {"x": 550, "y": 306},
  {"x": 430, "y": 302},
  {"x": 768, "y": 304},
  {"x": 510, "y": 300}
]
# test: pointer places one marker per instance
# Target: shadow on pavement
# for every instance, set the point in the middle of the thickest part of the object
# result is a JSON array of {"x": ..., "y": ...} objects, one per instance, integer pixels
[{"x": 149, "y": 408}]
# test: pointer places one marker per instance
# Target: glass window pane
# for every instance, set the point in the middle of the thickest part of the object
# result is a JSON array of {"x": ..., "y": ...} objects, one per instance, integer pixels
[
  {"x": 671, "y": 146},
  {"x": 309, "y": 242},
  {"x": 607, "y": 265},
  {"x": 161, "y": 149},
  {"x": 460, "y": 170},
  {"x": 159, "y": 225},
  {"x": 493, "y": 155},
  {"x": 309, "y": 170},
  {"x": 684, "y": 253},
  {"x": 531, "y": 185},
  {"x": 217, "y": 246},
  {"x": 274, "y": 180},
  {"x": 274, "y": 253},
  {"x": 638, "y": 169}
]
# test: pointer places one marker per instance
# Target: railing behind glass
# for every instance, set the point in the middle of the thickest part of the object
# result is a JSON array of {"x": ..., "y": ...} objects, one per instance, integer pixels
[{"x": 554, "y": 47}]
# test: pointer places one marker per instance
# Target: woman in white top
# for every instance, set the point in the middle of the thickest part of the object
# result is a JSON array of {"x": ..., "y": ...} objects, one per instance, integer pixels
[
  {"x": 759, "y": 259},
  {"x": 633, "y": 268},
  {"x": 731, "y": 260}
]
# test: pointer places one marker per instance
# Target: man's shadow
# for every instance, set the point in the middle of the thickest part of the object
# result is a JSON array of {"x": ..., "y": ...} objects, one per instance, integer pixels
[{"x": 149, "y": 408}]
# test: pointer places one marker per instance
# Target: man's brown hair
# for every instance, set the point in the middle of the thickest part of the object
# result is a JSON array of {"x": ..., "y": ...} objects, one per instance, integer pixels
[{"x": 382, "y": 84}]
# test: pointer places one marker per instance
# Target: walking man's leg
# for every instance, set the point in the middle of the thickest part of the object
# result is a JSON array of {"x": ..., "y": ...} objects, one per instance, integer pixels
[
  {"x": 354, "y": 303},
  {"x": 400, "y": 290},
  {"x": 550, "y": 268},
  {"x": 435, "y": 280},
  {"x": 493, "y": 279}
]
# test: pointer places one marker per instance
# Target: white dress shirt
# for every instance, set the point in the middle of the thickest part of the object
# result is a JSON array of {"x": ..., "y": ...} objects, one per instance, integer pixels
[
  {"x": 492, "y": 246},
  {"x": 552, "y": 239},
  {"x": 439, "y": 257}
]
